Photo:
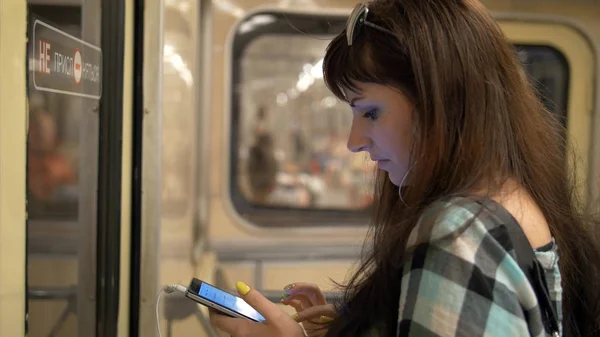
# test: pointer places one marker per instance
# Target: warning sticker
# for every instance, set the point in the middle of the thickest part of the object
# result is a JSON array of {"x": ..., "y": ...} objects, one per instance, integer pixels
[{"x": 62, "y": 63}]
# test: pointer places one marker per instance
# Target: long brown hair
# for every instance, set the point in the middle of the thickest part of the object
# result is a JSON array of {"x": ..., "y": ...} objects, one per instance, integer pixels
[{"x": 478, "y": 122}]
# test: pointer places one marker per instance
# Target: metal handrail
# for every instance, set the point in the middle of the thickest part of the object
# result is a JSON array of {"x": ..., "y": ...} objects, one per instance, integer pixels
[{"x": 52, "y": 293}]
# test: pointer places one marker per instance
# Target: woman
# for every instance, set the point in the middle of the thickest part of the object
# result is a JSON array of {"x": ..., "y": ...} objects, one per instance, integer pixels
[{"x": 440, "y": 101}]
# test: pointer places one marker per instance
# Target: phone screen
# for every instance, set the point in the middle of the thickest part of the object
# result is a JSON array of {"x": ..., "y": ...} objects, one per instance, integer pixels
[{"x": 228, "y": 301}]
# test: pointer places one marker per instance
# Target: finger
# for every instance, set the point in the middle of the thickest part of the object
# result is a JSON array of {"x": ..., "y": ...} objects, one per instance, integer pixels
[
  {"x": 317, "y": 330},
  {"x": 310, "y": 290},
  {"x": 306, "y": 288},
  {"x": 228, "y": 324},
  {"x": 304, "y": 297},
  {"x": 324, "y": 313},
  {"x": 296, "y": 304},
  {"x": 305, "y": 300},
  {"x": 270, "y": 311}
]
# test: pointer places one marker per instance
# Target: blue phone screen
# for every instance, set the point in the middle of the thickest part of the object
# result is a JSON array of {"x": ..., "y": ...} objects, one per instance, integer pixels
[{"x": 229, "y": 301}]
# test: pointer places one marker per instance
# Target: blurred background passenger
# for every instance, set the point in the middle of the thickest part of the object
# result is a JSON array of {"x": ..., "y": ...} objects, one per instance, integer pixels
[{"x": 48, "y": 169}]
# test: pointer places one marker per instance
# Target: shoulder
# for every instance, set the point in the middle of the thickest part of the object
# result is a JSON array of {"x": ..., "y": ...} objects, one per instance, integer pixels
[
  {"x": 451, "y": 218},
  {"x": 441, "y": 219},
  {"x": 449, "y": 221},
  {"x": 464, "y": 231},
  {"x": 461, "y": 270}
]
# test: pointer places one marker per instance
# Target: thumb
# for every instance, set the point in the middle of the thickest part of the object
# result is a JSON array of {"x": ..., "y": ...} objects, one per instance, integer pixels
[{"x": 270, "y": 311}]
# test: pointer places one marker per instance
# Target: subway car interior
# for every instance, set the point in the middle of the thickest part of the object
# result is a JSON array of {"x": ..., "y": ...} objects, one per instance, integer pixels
[{"x": 127, "y": 129}]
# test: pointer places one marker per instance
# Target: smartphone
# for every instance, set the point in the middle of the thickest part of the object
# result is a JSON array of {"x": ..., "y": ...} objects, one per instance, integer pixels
[{"x": 221, "y": 300}]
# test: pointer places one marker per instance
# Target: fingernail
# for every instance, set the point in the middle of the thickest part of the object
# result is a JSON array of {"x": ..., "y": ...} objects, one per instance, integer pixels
[
  {"x": 325, "y": 319},
  {"x": 294, "y": 316},
  {"x": 289, "y": 286},
  {"x": 242, "y": 288}
]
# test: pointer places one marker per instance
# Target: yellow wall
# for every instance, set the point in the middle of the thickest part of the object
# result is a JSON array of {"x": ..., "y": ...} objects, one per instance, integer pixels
[{"x": 13, "y": 114}]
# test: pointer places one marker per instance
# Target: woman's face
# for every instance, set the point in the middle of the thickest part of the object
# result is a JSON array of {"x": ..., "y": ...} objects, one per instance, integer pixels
[{"x": 382, "y": 126}]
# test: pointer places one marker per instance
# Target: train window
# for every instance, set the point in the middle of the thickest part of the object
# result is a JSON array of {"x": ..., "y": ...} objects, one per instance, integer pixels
[
  {"x": 290, "y": 165},
  {"x": 53, "y": 130},
  {"x": 548, "y": 70}
]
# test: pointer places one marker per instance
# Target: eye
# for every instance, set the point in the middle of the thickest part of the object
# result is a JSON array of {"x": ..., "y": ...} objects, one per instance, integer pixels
[{"x": 372, "y": 114}]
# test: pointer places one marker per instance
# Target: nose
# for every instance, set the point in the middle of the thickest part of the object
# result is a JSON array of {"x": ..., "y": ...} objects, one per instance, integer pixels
[{"x": 357, "y": 140}]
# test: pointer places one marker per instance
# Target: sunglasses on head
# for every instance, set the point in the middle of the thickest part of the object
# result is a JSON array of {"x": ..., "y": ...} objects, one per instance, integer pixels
[{"x": 358, "y": 19}]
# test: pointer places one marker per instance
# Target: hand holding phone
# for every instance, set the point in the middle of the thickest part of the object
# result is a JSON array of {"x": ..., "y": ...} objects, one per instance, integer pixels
[
  {"x": 221, "y": 301},
  {"x": 259, "y": 316}
]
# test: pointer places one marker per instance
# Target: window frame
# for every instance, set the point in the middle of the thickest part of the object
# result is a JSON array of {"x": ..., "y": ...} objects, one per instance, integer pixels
[{"x": 275, "y": 216}]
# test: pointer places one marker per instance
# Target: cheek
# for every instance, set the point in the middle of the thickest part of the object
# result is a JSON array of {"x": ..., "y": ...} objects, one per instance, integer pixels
[
  {"x": 400, "y": 146},
  {"x": 396, "y": 144}
]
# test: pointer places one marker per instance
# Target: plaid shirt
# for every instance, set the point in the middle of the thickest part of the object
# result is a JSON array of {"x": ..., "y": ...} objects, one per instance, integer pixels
[{"x": 462, "y": 280}]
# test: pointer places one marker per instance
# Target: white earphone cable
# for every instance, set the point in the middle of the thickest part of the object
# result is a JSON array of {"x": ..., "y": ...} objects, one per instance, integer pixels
[{"x": 169, "y": 288}]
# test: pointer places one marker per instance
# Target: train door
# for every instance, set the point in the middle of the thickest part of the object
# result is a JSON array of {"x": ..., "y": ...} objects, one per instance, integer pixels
[
  {"x": 13, "y": 125},
  {"x": 74, "y": 166},
  {"x": 175, "y": 42}
]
